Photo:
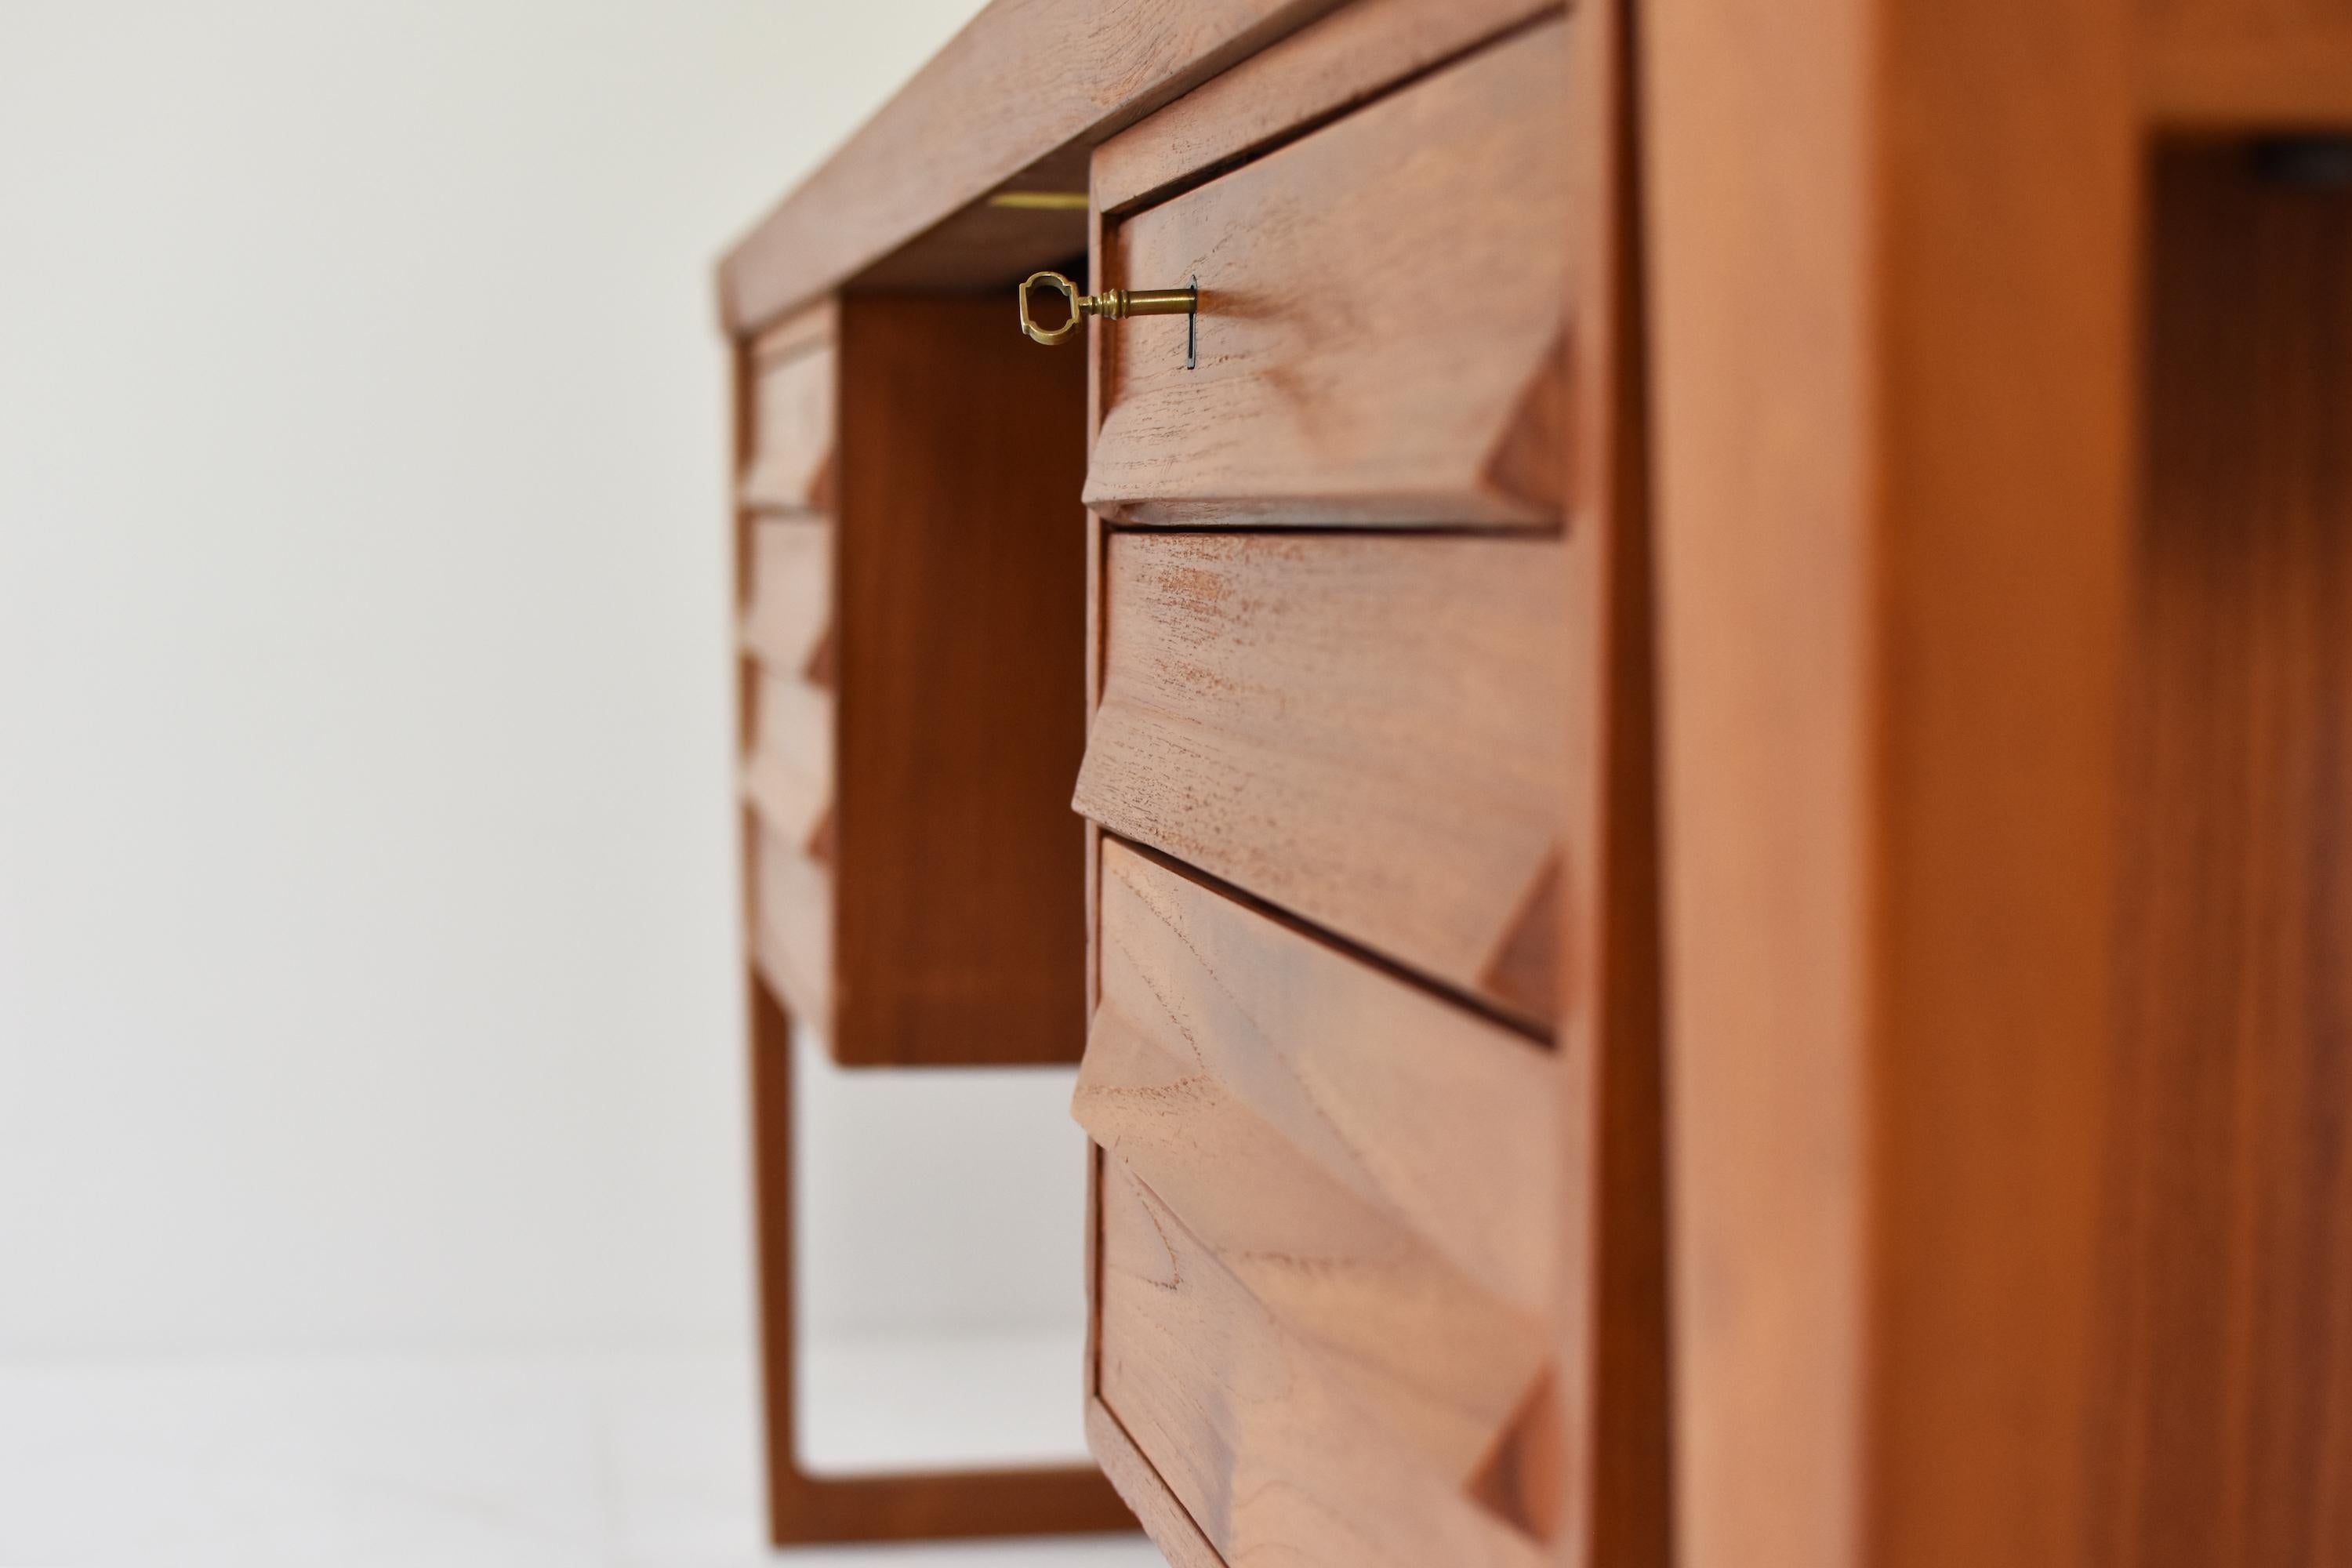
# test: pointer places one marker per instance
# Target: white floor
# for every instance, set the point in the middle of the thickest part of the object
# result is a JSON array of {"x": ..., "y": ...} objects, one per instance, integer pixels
[
  {"x": 918, "y": 1402},
  {"x": 646, "y": 1463}
]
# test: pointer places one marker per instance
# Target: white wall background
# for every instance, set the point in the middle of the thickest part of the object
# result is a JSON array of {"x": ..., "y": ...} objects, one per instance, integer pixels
[{"x": 367, "y": 947}]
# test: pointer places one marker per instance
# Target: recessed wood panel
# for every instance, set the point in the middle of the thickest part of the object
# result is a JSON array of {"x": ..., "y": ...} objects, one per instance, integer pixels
[
  {"x": 1382, "y": 331},
  {"x": 2225, "y": 1347},
  {"x": 957, "y": 659},
  {"x": 1363, "y": 729}
]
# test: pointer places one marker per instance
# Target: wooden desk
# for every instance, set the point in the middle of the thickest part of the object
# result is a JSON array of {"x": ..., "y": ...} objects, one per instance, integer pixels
[{"x": 1705, "y": 699}]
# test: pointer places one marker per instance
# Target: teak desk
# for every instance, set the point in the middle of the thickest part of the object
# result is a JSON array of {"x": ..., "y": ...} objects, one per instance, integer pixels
[{"x": 1706, "y": 673}]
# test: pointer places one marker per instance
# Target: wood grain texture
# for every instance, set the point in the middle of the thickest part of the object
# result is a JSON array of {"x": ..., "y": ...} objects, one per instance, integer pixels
[
  {"x": 1381, "y": 329},
  {"x": 1162, "y": 1517},
  {"x": 1023, "y": 82},
  {"x": 1328, "y": 1212},
  {"x": 1892, "y": 248},
  {"x": 1363, "y": 729},
  {"x": 1403, "y": 1105},
  {"x": 788, "y": 600},
  {"x": 791, "y": 453},
  {"x": 1268, "y": 1452},
  {"x": 1217, "y": 1072},
  {"x": 2225, "y": 1424},
  {"x": 1327, "y": 67},
  {"x": 804, "y": 1509},
  {"x": 961, "y": 607}
]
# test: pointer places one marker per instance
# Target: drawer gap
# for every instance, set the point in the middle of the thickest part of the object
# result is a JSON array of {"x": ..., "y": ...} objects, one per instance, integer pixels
[
  {"x": 1125, "y": 195},
  {"x": 1462, "y": 531},
  {"x": 1354, "y": 952}
]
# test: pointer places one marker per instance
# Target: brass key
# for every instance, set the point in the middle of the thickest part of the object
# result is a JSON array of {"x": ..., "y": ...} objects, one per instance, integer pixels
[{"x": 1112, "y": 305}]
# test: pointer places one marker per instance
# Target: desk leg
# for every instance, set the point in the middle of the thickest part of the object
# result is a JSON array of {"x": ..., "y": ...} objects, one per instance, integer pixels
[{"x": 916, "y": 1505}]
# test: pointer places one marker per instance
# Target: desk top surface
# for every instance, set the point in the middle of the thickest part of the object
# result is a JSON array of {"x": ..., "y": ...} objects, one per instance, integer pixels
[{"x": 1012, "y": 104}]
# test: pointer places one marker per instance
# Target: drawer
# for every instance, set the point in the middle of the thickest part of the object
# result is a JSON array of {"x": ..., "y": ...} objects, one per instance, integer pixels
[
  {"x": 1365, "y": 729},
  {"x": 788, "y": 597},
  {"x": 1383, "y": 318},
  {"x": 1328, "y": 1235},
  {"x": 788, "y": 773},
  {"x": 788, "y": 591},
  {"x": 791, "y": 924},
  {"x": 790, "y": 466}
]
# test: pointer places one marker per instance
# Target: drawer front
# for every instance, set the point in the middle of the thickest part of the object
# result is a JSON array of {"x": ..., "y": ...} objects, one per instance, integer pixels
[
  {"x": 788, "y": 784},
  {"x": 792, "y": 925},
  {"x": 1364, "y": 729},
  {"x": 1382, "y": 326},
  {"x": 788, "y": 600},
  {"x": 788, "y": 774},
  {"x": 791, "y": 460},
  {"x": 1328, "y": 1235}
]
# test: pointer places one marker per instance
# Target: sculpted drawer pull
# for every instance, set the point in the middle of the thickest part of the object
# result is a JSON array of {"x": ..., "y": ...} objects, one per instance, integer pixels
[{"x": 1115, "y": 305}]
